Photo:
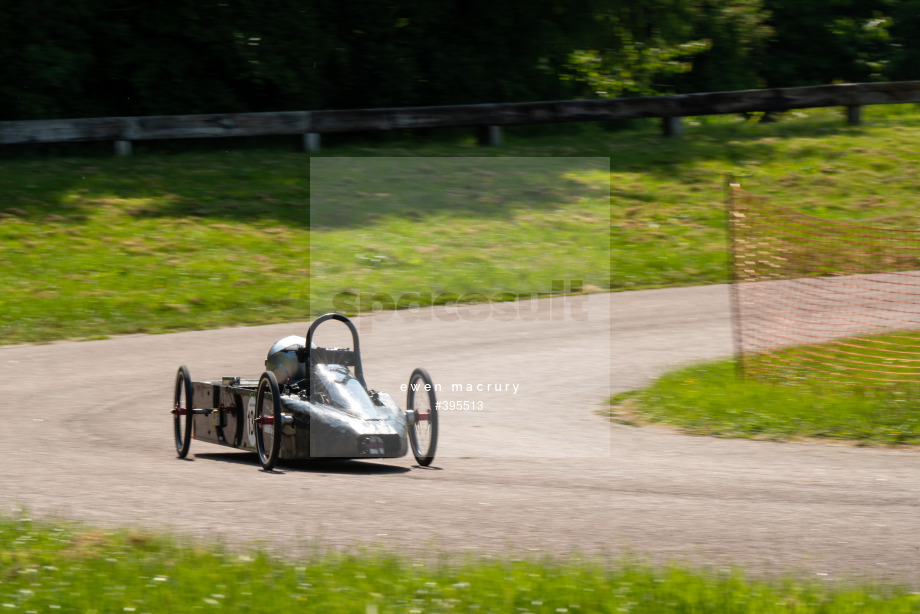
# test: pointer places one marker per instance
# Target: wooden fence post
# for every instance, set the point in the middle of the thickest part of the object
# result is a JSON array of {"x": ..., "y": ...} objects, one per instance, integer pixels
[
  {"x": 122, "y": 148},
  {"x": 490, "y": 135},
  {"x": 671, "y": 126},
  {"x": 311, "y": 142},
  {"x": 854, "y": 115}
]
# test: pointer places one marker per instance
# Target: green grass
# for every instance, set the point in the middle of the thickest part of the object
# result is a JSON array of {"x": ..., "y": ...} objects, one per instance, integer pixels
[
  {"x": 108, "y": 246},
  {"x": 96, "y": 246},
  {"x": 51, "y": 567},
  {"x": 709, "y": 399},
  {"x": 433, "y": 228}
]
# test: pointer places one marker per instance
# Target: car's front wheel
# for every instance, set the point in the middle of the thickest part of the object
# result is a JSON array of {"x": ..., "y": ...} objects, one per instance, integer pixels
[{"x": 421, "y": 401}]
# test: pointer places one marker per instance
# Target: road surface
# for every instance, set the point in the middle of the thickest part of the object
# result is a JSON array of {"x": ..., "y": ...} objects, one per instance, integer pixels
[{"x": 535, "y": 471}]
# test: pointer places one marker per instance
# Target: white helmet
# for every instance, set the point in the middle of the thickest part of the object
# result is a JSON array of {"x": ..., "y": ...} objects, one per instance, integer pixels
[{"x": 282, "y": 360}]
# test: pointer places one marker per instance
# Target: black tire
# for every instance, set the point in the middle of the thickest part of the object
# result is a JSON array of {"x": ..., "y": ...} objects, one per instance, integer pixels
[
  {"x": 182, "y": 411},
  {"x": 423, "y": 434},
  {"x": 268, "y": 387}
]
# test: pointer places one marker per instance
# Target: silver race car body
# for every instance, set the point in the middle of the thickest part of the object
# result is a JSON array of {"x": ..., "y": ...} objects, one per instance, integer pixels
[{"x": 307, "y": 404}]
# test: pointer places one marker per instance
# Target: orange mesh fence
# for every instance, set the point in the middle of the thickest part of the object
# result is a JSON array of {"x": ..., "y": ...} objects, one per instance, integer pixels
[{"x": 827, "y": 300}]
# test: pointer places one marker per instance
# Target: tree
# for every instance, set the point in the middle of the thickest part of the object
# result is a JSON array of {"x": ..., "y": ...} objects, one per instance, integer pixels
[
  {"x": 739, "y": 32},
  {"x": 671, "y": 45},
  {"x": 822, "y": 41},
  {"x": 905, "y": 46}
]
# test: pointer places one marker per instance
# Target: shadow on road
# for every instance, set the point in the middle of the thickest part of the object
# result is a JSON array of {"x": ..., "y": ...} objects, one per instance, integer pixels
[{"x": 345, "y": 467}]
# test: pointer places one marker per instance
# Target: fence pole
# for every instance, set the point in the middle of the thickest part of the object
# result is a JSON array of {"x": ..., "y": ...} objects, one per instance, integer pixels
[
  {"x": 854, "y": 115},
  {"x": 311, "y": 142},
  {"x": 490, "y": 135},
  {"x": 672, "y": 126},
  {"x": 731, "y": 185}
]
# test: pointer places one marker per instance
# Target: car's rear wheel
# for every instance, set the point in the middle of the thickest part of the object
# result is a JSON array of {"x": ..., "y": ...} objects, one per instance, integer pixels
[
  {"x": 268, "y": 421},
  {"x": 423, "y": 433},
  {"x": 182, "y": 411}
]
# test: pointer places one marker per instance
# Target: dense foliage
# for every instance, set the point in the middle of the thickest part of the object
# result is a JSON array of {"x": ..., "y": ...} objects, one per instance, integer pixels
[{"x": 141, "y": 57}]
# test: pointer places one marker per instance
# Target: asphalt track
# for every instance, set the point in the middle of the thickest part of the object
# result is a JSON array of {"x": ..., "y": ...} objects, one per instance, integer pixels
[{"x": 535, "y": 470}]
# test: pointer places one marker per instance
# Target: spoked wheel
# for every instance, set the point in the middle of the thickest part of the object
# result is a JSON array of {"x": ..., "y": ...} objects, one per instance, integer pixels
[
  {"x": 423, "y": 434},
  {"x": 182, "y": 411},
  {"x": 268, "y": 421}
]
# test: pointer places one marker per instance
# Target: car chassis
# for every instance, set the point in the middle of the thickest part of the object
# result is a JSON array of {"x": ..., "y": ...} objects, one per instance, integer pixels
[{"x": 320, "y": 408}]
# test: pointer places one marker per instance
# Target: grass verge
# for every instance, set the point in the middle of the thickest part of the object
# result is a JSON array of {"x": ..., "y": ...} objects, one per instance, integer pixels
[
  {"x": 62, "y": 567},
  {"x": 709, "y": 399},
  {"x": 95, "y": 246}
]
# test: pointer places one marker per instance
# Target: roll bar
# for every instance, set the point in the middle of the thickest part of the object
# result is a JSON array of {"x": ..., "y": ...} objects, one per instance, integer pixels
[{"x": 305, "y": 356}]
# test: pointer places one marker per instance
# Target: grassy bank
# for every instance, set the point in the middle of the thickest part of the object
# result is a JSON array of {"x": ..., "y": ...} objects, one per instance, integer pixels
[
  {"x": 157, "y": 242},
  {"x": 709, "y": 399},
  {"x": 57, "y": 567}
]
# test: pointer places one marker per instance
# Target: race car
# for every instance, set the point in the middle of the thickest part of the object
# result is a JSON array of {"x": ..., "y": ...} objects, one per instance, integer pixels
[{"x": 311, "y": 402}]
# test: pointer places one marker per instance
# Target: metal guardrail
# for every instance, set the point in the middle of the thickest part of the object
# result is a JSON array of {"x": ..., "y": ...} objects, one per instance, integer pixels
[{"x": 311, "y": 124}]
